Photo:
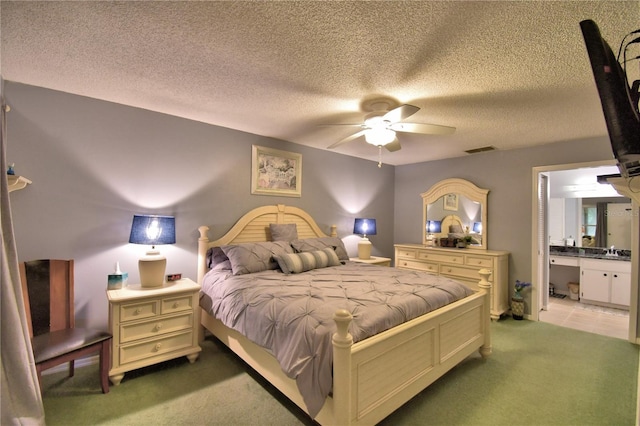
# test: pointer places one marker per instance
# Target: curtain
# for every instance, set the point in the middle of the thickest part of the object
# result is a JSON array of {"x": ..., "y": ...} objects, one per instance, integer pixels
[
  {"x": 21, "y": 402},
  {"x": 601, "y": 225}
]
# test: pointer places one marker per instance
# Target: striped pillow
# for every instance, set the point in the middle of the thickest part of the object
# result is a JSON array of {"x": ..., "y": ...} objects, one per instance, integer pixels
[{"x": 294, "y": 263}]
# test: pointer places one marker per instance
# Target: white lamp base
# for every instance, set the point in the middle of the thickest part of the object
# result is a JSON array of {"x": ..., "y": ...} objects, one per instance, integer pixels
[
  {"x": 152, "y": 268},
  {"x": 364, "y": 249}
]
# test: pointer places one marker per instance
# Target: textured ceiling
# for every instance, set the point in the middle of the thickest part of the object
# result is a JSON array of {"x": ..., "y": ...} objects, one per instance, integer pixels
[{"x": 506, "y": 74}]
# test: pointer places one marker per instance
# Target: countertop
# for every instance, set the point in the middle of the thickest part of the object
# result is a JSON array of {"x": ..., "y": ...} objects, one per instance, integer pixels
[{"x": 589, "y": 253}]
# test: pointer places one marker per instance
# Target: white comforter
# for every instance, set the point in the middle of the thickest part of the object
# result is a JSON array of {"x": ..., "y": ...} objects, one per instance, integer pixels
[{"x": 292, "y": 315}]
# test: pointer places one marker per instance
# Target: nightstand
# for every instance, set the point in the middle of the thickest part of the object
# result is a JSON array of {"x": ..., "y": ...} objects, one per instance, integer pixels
[
  {"x": 374, "y": 260},
  {"x": 151, "y": 325}
]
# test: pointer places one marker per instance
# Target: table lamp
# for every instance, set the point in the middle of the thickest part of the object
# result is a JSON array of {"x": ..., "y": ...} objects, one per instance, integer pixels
[
  {"x": 152, "y": 230},
  {"x": 433, "y": 226},
  {"x": 364, "y": 227}
]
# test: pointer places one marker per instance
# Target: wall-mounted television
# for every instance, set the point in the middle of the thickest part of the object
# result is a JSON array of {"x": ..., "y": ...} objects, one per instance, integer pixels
[{"x": 619, "y": 100}]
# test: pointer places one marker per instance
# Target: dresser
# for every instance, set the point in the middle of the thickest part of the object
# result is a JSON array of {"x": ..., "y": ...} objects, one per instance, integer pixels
[
  {"x": 151, "y": 325},
  {"x": 462, "y": 265}
]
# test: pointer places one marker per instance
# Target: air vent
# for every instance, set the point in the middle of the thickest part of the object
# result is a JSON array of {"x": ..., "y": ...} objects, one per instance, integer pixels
[{"x": 483, "y": 149}]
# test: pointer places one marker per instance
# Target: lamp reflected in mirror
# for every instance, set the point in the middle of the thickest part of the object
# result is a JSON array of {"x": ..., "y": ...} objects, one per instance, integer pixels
[{"x": 432, "y": 227}]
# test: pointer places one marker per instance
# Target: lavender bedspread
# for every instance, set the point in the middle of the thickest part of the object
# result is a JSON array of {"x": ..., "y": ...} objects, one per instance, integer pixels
[{"x": 292, "y": 315}]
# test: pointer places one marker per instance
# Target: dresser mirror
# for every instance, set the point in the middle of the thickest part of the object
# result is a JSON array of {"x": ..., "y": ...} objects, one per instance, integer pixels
[{"x": 455, "y": 208}]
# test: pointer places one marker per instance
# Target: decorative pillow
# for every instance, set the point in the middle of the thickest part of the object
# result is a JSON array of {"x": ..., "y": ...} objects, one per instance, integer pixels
[
  {"x": 456, "y": 229},
  {"x": 312, "y": 244},
  {"x": 283, "y": 232},
  {"x": 294, "y": 263},
  {"x": 215, "y": 255},
  {"x": 247, "y": 258},
  {"x": 223, "y": 266}
]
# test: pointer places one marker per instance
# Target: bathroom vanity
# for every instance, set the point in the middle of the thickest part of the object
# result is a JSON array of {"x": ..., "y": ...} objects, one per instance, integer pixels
[{"x": 604, "y": 277}]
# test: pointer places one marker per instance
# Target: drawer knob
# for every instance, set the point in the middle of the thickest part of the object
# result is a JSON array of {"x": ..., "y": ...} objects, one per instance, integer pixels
[
  {"x": 158, "y": 346},
  {"x": 158, "y": 326},
  {"x": 176, "y": 304},
  {"x": 137, "y": 311}
]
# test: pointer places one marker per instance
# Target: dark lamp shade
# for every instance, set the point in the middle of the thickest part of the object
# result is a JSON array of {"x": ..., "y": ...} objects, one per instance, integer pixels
[
  {"x": 153, "y": 230},
  {"x": 434, "y": 226},
  {"x": 364, "y": 226},
  {"x": 477, "y": 227}
]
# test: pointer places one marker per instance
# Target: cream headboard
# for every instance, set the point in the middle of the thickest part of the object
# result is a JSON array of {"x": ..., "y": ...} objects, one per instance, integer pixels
[
  {"x": 449, "y": 220},
  {"x": 254, "y": 227}
]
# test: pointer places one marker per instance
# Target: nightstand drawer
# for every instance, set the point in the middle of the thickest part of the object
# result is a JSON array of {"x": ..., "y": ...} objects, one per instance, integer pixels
[
  {"x": 176, "y": 304},
  {"x": 477, "y": 260},
  {"x": 136, "y": 311},
  {"x": 421, "y": 266},
  {"x": 440, "y": 257},
  {"x": 140, "y": 330},
  {"x": 150, "y": 348}
]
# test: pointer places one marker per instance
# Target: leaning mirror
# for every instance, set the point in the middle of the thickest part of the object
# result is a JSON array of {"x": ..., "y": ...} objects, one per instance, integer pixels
[{"x": 455, "y": 209}]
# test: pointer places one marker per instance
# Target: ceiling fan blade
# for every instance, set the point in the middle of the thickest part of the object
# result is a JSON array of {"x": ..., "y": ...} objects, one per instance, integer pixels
[
  {"x": 347, "y": 139},
  {"x": 342, "y": 125},
  {"x": 393, "y": 146},
  {"x": 427, "y": 129},
  {"x": 400, "y": 113}
]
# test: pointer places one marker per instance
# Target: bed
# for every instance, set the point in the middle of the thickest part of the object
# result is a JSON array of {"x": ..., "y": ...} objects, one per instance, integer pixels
[{"x": 364, "y": 390}]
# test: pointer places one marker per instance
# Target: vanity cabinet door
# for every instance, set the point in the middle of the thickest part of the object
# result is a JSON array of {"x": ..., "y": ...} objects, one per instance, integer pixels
[
  {"x": 595, "y": 285},
  {"x": 621, "y": 288}
]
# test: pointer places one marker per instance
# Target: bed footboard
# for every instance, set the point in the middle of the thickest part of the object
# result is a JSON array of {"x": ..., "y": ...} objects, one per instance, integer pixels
[{"x": 428, "y": 346}]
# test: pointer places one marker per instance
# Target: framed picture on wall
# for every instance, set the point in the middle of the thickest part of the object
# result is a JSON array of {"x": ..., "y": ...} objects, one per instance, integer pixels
[
  {"x": 276, "y": 172},
  {"x": 451, "y": 202}
]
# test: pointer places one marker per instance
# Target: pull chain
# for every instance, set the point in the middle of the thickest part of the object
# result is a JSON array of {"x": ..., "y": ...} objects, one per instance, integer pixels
[{"x": 379, "y": 156}]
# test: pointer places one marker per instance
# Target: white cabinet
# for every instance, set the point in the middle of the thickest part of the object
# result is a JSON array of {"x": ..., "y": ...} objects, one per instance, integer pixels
[
  {"x": 462, "y": 265},
  {"x": 152, "y": 325},
  {"x": 605, "y": 282}
]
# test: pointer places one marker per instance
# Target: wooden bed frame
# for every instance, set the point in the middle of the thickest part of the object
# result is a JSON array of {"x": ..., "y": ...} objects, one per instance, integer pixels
[{"x": 365, "y": 389}]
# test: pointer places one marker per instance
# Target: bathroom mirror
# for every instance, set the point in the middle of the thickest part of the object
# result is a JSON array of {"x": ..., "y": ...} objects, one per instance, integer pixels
[{"x": 457, "y": 207}]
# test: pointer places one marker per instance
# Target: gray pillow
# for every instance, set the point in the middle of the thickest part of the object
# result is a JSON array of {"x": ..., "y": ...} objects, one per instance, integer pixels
[
  {"x": 248, "y": 258},
  {"x": 455, "y": 229},
  {"x": 283, "y": 231},
  {"x": 215, "y": 255},
  {"x": 312, "y": 244},
  {"x": 294, "y": 263}
]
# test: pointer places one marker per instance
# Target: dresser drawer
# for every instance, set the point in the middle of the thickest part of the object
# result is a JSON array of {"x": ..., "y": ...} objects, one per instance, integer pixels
[
  {"x": 140, "y": 310},
  {"x": 408, "y": 253},
  {"x": 461, "y": 271},
  {"x": 150, "y": 348},
  {"x": 441, "y": 257},
  {"x": 141, "y": 330},
  {"x": 421, "y": 266},
  {"x": 176, "y": 304},
  {"x": 479, "y": 261}
]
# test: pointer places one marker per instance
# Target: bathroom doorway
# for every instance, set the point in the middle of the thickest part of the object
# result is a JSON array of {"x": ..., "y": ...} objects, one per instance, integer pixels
[{"x": 552, "y": 183}]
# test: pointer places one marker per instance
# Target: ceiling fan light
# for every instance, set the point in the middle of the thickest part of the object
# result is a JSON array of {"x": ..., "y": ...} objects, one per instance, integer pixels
[{"x": 379, "y": 136}]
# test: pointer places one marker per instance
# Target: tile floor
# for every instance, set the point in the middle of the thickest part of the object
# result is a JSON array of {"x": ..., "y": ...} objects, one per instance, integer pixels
[{"x": 594, "y": 319}]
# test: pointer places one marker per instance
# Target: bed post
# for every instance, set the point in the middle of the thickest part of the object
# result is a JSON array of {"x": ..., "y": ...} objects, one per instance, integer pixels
[
  {"x": 485, "y": 349},
  {"x": 202, "y": 251},
  {"x": 342, "y": 342},
  {"x": 333, "y": 232}
]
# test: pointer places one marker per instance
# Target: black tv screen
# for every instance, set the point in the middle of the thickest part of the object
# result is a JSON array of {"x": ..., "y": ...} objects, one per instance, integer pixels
[{"x": 620, "y": 113}]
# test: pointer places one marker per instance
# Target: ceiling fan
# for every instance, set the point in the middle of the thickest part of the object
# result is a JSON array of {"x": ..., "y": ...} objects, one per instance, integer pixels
[{"x": 381, "y": 124}]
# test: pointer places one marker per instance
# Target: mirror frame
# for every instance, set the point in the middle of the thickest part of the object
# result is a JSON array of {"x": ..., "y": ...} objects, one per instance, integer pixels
[{"x": 460, "y": 187}]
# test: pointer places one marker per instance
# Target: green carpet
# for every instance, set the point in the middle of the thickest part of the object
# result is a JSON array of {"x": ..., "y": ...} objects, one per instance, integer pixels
[{"x": 538, "y": 374}]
